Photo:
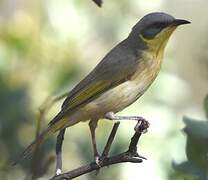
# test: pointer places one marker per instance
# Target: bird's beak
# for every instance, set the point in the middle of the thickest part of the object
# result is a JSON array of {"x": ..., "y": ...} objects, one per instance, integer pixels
[{"x": 178, "y": 22}]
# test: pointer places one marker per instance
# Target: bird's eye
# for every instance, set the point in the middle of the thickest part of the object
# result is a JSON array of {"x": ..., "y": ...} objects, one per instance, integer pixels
[{"x": 151, "y": 32}]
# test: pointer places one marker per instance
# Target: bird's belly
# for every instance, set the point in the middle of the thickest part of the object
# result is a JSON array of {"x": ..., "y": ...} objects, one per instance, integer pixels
[
  {"x": 119, "y": 97},
  {"x": 114, "y": 100}
]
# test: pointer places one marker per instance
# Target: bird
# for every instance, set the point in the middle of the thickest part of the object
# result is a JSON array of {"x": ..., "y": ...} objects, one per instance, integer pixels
[{"x": 117, "y": 81}]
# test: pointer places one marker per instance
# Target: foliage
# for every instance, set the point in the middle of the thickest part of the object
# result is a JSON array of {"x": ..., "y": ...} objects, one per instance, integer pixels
[{"x": 196, "y": 166}]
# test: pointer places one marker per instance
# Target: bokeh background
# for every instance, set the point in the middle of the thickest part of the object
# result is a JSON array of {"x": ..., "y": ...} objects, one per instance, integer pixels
[{"x": 47, "y": 46}]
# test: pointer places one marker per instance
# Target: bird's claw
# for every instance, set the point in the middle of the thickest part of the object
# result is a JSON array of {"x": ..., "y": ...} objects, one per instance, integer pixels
[{"x": 142, "y": 126}]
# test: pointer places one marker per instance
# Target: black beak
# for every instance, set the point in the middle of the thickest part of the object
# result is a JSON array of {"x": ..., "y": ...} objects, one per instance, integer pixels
[{"x": 178, "y": 22}]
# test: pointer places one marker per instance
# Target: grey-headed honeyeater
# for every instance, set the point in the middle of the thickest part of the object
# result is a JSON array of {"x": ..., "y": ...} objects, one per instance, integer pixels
[{"x": 122, "y": 76}]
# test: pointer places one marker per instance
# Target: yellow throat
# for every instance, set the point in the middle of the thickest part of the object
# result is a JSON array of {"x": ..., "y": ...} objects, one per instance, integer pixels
[
  {"x": 157, "y": 45},
  {"x": 152, "y": 57}
]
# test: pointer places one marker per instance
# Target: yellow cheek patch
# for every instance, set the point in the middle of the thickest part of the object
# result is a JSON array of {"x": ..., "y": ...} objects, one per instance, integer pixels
[{"x": 159, "y": 42}]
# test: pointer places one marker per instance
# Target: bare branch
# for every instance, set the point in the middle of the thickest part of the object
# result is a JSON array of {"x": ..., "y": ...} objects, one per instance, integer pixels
[
  {"x": 98, "y": 2},
  {"x": 123, "y": 157},
  {"x": 110, "y": 140},
  {"x": 130, "y": 155},
  {"x": 59, "y": 143}
]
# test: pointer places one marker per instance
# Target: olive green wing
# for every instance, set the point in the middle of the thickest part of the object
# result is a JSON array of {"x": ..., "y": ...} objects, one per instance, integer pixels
[{"x": 114, "y": 69}]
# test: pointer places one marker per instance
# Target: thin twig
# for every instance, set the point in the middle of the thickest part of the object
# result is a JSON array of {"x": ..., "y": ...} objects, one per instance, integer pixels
[
  {"x": 59, "y": 143},
  {"x": 108, "y": 144},
  {"x": 110, "y": 140}
]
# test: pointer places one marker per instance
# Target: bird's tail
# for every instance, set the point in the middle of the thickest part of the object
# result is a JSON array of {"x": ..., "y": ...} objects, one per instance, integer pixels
[{"x": 28, "y": 152}]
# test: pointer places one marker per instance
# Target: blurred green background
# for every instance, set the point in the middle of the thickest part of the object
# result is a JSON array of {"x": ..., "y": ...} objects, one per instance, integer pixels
[{"x": 47, "y": 46}]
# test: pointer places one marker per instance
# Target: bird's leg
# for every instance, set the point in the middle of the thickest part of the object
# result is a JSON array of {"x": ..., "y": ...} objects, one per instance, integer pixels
[
  {"x": 93, "y": 125},
  {"x": 112, "y": 116},
  {"x": 59, "y": 143}
]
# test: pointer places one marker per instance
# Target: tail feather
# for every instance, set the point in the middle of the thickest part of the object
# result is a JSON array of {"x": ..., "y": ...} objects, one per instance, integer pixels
[{"x": 28, "y": 152}]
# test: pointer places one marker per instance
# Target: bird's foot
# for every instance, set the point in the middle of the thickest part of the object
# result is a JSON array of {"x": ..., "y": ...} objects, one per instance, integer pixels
[{"x": 142, "y": 125}]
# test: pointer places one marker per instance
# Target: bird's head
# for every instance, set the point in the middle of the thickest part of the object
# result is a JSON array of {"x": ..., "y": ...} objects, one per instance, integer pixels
[{"x": 154, "y": 30}]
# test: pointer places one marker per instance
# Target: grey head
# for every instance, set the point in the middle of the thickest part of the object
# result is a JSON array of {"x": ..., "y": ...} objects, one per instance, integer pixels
[{"x": 151, "y": 24}]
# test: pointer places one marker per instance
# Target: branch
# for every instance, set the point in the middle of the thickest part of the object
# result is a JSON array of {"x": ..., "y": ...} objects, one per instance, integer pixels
[
  {"x": 59, "y": 143},
  {"x": 130, "y": 155},
  {"x": 98, "y": 2},
  {"x": 110, "y": 140}
]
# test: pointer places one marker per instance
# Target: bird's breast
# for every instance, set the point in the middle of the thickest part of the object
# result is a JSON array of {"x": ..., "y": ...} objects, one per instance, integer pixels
[{"x": 147, "y": 69}]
